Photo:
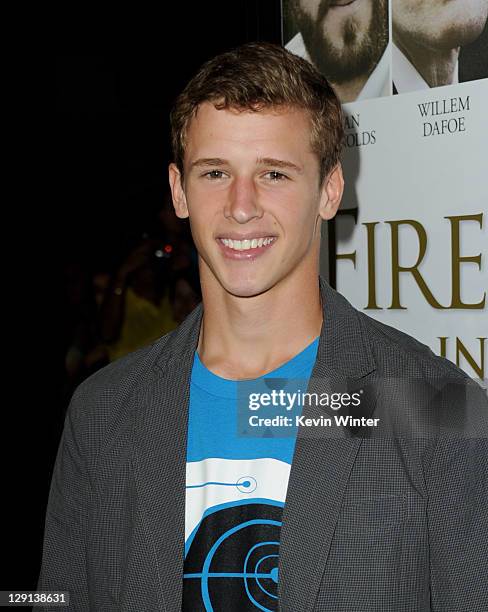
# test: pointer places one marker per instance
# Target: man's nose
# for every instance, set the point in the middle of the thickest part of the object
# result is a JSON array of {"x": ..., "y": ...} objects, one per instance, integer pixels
[{"x": 243, "y": 205}]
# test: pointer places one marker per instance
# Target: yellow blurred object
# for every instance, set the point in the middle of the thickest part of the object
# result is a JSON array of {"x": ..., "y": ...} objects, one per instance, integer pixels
[{"x": 144, "y": 322}]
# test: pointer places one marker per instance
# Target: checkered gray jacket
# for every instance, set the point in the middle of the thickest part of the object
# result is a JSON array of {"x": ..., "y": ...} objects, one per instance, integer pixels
[{"x": 390, "y": 520}]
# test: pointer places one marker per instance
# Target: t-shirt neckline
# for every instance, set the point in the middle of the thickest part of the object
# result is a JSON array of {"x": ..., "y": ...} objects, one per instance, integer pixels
[{"x": 216, "y": 385}]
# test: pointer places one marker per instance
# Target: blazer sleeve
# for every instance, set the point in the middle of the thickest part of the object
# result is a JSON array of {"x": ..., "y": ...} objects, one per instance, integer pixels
[
  {"x": 458, "y": 510},
  {"x": 64, "y": 552}
]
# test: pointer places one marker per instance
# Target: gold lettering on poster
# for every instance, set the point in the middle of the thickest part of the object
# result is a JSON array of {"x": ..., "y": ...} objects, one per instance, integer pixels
[
  {"x": 461, "y": 350},
  {"x": 333, "y": 254},
  {"x": 372, "y": 305},
  {"x": 397, "y": 269},
  {"x": 457, "y": 260}
]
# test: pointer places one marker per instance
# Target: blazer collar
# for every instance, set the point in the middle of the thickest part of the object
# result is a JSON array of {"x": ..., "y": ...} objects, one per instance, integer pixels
[
  {"x": 323, "y": 457},
  {"x": 343, "y": 347},
  {"x": 160, "y": 438},
  {"x": 159, "y": 459}
]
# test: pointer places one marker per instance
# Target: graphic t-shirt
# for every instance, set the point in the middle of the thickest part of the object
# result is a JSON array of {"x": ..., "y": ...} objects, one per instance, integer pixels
[{"x": 236, "y": 482}]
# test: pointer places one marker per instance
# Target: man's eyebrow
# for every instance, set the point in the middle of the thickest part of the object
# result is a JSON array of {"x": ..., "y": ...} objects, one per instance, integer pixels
[
  {"x": 262, "y": 161},
  {"x": 279, "y": 163},
  {"x": 209, "y": 161}
]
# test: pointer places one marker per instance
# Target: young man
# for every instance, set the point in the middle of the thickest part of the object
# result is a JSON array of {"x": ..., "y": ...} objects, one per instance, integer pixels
[{"x": 174, "y": 491}]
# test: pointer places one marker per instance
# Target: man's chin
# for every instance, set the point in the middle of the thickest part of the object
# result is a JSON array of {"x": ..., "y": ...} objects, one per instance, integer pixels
[
  {"x": 245, "y": 287},
  {"x": 246, "y": 290}
]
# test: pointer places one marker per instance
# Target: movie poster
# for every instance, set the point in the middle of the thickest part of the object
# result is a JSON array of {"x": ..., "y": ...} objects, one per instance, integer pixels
[{"x": 410, "y": 244}]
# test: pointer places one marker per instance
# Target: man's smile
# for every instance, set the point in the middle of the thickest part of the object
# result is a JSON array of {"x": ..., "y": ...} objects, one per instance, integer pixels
[{"x": 246, "y": 248}]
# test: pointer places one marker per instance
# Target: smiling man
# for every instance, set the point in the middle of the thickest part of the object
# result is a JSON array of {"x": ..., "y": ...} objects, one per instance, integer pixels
[
  {"x": 428, "y": 38},
  {"x": 347, "y": 41},
  {"x": 206, "y": 471}
]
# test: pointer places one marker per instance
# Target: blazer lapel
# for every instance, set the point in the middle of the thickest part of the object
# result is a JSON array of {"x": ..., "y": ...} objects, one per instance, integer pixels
[
  {"x": 323, "y": 457},
  {"x": 160, "y": 457}
]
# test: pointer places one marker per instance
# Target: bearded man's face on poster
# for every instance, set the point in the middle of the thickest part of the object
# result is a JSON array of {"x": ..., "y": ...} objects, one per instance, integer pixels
[{"x": 345, "y": 39}]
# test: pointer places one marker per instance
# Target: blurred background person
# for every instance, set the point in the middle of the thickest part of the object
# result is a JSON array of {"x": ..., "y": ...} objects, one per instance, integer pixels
[
  {"x": 136, "y": 310},
  {"x": 347, "y": 41},
  {"x": 184, "y": 293},
  {"x": 428, "y": 38}
]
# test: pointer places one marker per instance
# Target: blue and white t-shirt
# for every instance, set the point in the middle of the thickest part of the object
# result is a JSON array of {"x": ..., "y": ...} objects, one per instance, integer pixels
[{"x": 235, "y": 492}]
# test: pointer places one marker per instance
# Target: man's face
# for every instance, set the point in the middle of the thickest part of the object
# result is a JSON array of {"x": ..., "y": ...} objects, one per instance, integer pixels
[
  {"x": 251, "y": 176},
  {"x": 344, "y": 38},
  {"x": 439, "y": 24}
]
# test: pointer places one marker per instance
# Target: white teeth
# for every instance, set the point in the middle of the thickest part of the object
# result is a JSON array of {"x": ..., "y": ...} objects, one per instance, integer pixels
[{"x": 245, "y": 245}]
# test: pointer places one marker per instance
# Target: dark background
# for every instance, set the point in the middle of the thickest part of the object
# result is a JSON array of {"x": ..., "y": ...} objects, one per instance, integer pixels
[{"x": 95, "y": 149}]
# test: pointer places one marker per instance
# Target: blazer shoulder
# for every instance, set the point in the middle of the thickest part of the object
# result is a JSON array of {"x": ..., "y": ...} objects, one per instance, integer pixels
[
  {"x": 123, "y": 375},
  {"x": 104, "y": 404},
  {"x": 399, "y": 354},
  {"x": 104, "y": 408}
]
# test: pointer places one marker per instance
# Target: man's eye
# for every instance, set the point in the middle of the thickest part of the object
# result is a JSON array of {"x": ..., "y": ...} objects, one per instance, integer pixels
[
  {"x": 214, "y": 174},
  {"x": 276, "y": 176}
]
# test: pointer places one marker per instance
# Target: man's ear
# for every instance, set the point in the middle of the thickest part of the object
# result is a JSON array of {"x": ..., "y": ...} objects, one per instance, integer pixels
[
  {"x": 331, "y": 193},
  {"x": 177, "y": 192}
]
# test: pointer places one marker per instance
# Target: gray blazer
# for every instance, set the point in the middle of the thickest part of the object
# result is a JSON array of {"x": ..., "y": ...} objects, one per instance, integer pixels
[{"x": 381, "y": 523}]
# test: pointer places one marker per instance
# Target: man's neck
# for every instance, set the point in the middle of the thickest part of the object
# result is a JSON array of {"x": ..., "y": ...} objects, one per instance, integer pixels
[
  {"x": 249, "y": 337},
  {"x": 435, "y": 67}
]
